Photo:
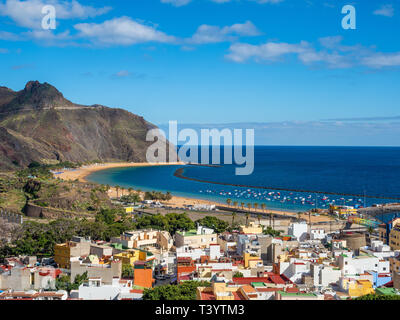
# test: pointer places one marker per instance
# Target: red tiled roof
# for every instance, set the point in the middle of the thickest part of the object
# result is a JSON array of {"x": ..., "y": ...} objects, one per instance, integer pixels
[
  {"x": 238, "y": 296},
  {"x": 136, "y": 291},
  {"x": 249, "y": 280},
  {"x": 277, "y": 279},
  {"x": 184, "y": 259},
  {"x": 207, "y": 296}
]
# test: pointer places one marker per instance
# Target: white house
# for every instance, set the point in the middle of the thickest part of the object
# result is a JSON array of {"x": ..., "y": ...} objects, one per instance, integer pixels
[
  {"x": 94, "y": 289},
  {"x": 351, "y": 265},
  {"x": 317, "y": 234},
  {"x": 298, "y": 230}
]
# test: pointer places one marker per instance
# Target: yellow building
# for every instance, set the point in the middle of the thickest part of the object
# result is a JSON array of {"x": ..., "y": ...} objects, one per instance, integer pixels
[
  {"x": 394, "y": 264},
  {"x": 360, "y": 288},
  {"x": 394, "y": 238},
  {"x": 129, "y": 209},
  {"x": 252, "y": 228},
  {"x": 63, "y": 252},
  {"x": 131, "y": 256},
  {"x": 342, "y": 211},
  {"x": 220, "y": 291},
  {"x": 251, "y": 261},
  {"x": 201, "y": 237}
]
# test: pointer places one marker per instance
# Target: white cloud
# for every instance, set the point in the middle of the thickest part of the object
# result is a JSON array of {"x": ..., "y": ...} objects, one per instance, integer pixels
[
  {"x": 3, "y": 51},
  {"x": 121, "y": 31},
  {"x": 330, "y": 42},
  {"x": 386, "y": 11},
  {"x": 275, "y": 51},
  {"x": 8, "y": 36},
  {"x": 123, "y": 74},
  {"x": 29, "y": 13},
  {"x": 333, "y": 54},
  {"x": 382, "y": 60},
  {"x": 270, "y": 51},
  {"x": 213, "y": 34},
  {"x": 177, "y": 3}
]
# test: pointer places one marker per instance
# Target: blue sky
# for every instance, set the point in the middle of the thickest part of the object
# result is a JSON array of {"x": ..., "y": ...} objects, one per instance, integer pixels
[{"x": 218, "y": 62}]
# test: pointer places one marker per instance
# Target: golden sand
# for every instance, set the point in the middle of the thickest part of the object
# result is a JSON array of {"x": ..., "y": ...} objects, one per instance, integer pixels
[{"x": 81, "y": 173}]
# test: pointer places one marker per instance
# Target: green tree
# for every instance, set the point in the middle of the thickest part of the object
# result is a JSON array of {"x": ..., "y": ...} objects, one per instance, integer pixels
[
  {"x": 127, "y": 271},
  {"x": 270, "y": 231},
  {"x": 214, "y": 223},
  {"x": 255, "y": 206},
  {"x": 64, "y": 282},
  {"x": 183, "y": 291},
  {"x": 233, "y": 217},
  {"x": 238, "y": 275},
  {"x": 117, "y": 189}
]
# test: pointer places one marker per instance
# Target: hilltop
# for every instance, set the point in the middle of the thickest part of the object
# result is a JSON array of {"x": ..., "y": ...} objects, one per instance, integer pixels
[{"x": 39, "y": 124}]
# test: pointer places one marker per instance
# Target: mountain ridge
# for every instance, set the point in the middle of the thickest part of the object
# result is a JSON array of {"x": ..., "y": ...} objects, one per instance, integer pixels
[{"x": 39, "y": 124}]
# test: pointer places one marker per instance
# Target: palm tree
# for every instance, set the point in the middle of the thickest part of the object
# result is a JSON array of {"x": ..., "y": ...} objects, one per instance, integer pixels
[
  {"x": 117, "y": 189},
  {"x": 298, "y": 215},
  {"x": 242, "y": 205},
  {"x": 229, "y": 201},
  {"x": 259, "y": 218},
  {"x": 235, "y": 204},
  {"x": 248, "y": 206},
  {"x": 130, "y": 190},
  {"x": 233, "y": 217},
  {"x": 255, "y": 206},
  {"x": 270, "y": 219},
  {"x": 263, "y": 206},
  {"x": 247, "y": 218}
]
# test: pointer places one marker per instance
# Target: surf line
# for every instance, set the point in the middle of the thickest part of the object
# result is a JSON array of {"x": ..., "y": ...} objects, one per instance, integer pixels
[{"x": 179, "y": 174}]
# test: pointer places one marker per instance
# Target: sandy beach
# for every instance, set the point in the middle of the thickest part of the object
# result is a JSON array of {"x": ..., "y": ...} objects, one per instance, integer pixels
[{"x": 81, "y": 173}]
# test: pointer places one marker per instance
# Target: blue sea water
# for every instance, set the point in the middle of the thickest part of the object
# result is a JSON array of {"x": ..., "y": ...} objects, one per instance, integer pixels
[{"x": 370, "y": 171}]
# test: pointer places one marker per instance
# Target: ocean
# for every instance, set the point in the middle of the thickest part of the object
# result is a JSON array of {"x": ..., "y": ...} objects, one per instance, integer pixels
[{"x": 290, "y": 178}]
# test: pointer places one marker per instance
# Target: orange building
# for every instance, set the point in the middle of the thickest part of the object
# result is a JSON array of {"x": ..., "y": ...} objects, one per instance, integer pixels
[
  {"x": 185, "y": 267},
  {"x": 143, "y": 275}
]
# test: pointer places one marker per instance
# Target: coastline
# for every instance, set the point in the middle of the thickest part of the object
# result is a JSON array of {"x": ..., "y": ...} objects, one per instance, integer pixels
[{"x": 82, "y": 173}]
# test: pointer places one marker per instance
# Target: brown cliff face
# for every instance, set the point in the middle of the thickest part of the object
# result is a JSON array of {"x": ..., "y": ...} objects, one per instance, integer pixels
[{"x": 39, "y": 124}]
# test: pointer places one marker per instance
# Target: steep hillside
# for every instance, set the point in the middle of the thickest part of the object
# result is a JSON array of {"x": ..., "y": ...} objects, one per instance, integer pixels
[{"x": 39, "y": 124}]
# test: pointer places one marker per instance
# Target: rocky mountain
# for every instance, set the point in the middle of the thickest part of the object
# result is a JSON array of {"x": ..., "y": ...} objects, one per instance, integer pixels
[{"x": 39, "y": 124}]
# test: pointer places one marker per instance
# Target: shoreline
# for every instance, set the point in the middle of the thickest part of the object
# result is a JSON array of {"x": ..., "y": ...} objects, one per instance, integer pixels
[
  {"x": 84, "y": 171},
  {"x": 177, "y": 201}
]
